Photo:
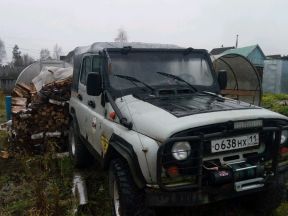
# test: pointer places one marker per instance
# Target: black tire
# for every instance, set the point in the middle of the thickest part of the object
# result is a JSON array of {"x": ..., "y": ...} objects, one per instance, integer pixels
[
  {"x": 131, "y": 198},
  {"x": 77, "y": 150},
  {"x": 283, "y": 177},
  {"x": 265, "y": 202}
]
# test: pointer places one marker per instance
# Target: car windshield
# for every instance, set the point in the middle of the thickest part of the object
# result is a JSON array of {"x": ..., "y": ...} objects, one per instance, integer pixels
[{"x": 154, "y": 69}]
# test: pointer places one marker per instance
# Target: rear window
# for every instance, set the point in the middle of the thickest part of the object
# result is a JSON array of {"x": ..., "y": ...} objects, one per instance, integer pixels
[{"x": 86, "y": 68}]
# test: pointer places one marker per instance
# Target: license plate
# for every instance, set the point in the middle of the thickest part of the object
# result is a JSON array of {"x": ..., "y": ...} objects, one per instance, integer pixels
[{"x": 232, "y": 143}]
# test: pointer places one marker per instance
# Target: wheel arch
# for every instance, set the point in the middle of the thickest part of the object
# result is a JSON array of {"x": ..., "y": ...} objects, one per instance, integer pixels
[
  {"x": 118, "y": 147},
  {"x": 73, "y": 117}
]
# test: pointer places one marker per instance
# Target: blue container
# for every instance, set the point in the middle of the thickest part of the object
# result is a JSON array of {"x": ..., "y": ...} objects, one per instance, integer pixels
[{"x": 8, "y": 100}]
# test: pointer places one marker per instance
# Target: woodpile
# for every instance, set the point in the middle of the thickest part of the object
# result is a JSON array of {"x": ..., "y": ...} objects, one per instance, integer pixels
[{"x": 41, "y": 119}]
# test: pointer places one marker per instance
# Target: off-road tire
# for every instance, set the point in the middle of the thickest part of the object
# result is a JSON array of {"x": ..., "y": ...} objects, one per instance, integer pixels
[
  {"x": 77, "y": 150},
  {"x": 265, "y": 202},
  {"x": 131, "y": 198}
]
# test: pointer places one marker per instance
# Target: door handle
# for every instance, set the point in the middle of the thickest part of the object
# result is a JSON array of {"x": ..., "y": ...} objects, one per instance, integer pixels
[
  {"x": 91, "y": 104},
  {"x": 80, "y": 97}
]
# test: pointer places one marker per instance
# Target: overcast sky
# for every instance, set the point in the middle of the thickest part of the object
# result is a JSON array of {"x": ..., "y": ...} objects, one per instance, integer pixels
[{"x": 36, "y": 24}]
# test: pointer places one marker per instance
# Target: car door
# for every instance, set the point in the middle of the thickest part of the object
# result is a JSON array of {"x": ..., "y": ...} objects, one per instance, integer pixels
[
  {"x": 95, "y": 111},
  {"x": 82, "y": 116}
]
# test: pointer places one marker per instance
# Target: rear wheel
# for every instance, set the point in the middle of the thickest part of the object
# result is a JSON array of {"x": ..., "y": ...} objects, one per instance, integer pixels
[
  {"x": 77, "y": 150},
  {"x": 127, "y": 198}
]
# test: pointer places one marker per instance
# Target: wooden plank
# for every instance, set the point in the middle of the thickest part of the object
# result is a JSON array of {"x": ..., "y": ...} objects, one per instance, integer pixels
[
  {"x": 17, "y": 92},
  {"x": 17, "y": 109},
  {"x": 42, "y": 116},
  {"x": 239, "y": 92},
  {"x": 19, "y": 101},
  {"x": 25, "y": 87}
]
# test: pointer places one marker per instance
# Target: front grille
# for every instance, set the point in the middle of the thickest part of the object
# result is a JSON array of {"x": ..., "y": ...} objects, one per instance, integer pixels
[
  {"x": 226, "y": 130},
  {"x": 191, "y": 171}
]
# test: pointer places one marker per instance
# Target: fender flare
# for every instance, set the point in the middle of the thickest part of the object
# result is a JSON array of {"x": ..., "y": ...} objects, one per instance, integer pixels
[
  {"x": 73, "y": 118},
  {"x": 118, "y": 145}
]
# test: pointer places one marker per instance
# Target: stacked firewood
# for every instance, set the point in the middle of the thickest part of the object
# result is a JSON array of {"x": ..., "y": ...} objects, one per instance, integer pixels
[{"x": 41, "y": 118}]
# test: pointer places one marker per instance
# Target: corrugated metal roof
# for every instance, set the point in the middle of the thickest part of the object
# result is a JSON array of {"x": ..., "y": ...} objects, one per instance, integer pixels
[
  {"x": 244, "y": 51},
  {"x": 253, "y": 53},
  {"x": 217, "y": 51}
]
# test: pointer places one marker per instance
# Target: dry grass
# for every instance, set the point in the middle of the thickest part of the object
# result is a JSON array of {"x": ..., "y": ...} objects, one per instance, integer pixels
[
  {"x": 36, "y": 186},
  {"x": 2, "y": 107}
]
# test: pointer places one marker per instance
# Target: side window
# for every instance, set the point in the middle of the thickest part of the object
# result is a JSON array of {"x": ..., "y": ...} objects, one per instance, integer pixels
[
  {"x": 96, "y": 64},
  {"x": 86, "y": 68}
]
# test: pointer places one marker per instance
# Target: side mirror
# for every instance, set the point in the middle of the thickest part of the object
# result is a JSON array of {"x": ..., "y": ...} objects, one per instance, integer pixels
[
  {"x": 222, "y": 79},
  {"x": 94, "y": 84}
]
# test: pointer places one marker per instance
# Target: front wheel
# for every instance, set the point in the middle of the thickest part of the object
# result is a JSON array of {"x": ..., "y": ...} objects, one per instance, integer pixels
[
  {"x": 127, "y": 198},
  {"x": 265, "y": 202}
]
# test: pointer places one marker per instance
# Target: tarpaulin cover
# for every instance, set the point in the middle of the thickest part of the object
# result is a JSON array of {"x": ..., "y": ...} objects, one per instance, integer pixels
[
  {"x": 31, "y": 71},
  {"x": 51, "y": 74}
]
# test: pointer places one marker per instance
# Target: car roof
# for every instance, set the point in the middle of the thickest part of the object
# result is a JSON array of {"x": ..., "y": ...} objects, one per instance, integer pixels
[{"x": 99, "y": 46}]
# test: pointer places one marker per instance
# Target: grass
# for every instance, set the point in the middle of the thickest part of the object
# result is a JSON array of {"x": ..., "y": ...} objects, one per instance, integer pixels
[
  {"x": 42, "y": 185},
  {"x": 2, "y": 108},
  {"x": 276, "y": 103},
  {"x": 282, "y": 210},
  {"x": 36, "y": 186}
]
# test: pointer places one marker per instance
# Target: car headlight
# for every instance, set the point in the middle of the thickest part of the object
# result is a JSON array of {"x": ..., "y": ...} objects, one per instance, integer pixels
[
  {"x": 284, "y": 136},
  {"x": 181, "y": 150}
]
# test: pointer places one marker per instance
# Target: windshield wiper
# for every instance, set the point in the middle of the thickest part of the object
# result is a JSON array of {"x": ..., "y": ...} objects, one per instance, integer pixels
[
  {"x": 177, "y": 78},
  {"x": 133, "y": 79}
]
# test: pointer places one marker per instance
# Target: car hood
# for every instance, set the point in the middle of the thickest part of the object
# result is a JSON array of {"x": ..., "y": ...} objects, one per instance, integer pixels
[{"x": 161, "y": 118}]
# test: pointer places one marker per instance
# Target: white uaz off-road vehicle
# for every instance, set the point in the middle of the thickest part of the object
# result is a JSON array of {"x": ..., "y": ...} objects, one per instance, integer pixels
[{"x": 152, "y": 115}]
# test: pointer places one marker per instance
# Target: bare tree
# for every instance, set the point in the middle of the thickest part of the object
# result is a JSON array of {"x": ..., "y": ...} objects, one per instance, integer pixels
[
  {"x": 27, "y": 60},
  {"x": 44, "y": 54},
  {"x": 2, "y": 51},
  {"x": 17, "y": 59},
  {"x": 122, "y": 36},
  {"x": 57, "y": 52}
]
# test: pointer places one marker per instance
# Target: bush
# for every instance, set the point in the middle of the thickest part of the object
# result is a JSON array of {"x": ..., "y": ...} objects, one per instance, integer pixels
[{"x": 276, "y": 102}]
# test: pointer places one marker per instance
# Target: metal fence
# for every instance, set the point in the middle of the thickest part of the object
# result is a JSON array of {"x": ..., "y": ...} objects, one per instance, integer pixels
[{"x": 8, "y": 76}]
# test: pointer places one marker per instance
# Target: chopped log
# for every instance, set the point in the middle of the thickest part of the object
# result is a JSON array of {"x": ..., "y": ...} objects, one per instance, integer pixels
[
  {"x": 4, "y": 154},
  {"x": 19, "y": 101},
  {"x": 40, "y": 118},
  {"x": 25, "y": 87},
  {"x": 18, "y": 109},
  {"x": 17, "y": 93}
]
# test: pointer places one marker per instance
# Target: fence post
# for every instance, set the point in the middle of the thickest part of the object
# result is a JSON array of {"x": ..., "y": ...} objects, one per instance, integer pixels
[{"x": 8, "y": 107}]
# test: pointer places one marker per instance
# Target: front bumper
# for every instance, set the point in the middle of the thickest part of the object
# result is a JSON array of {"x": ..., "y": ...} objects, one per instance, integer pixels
[
  {"x": 199, "y": 142},
  {"x": 189, "y": 198},
  {"x": 159, "y": 198},
  {"x": 193, "y": 198},
  {"x": 199, "y": 193}
]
